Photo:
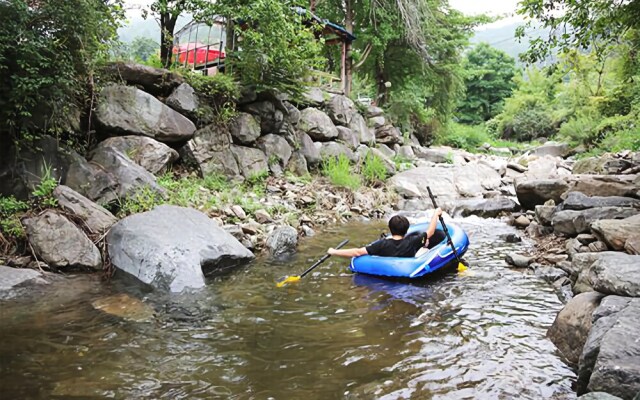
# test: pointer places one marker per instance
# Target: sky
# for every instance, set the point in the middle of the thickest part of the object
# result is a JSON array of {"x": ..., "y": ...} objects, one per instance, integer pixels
[{"x": 503, "y": 8}]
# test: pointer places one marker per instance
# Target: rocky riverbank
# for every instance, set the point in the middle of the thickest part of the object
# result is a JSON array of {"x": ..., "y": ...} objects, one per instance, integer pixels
[{"x": 118, "y": 207}]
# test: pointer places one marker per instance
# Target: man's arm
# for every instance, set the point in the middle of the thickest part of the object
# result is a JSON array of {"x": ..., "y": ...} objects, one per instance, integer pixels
[
  {"x": 434, "y": 222},
  {"x": 354, "y": 252}
]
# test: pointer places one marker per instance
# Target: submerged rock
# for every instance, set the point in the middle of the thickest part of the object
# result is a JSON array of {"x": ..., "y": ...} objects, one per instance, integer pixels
[
  {"x": 125, "y": 307},
  {"x": 172, "y": 248}
]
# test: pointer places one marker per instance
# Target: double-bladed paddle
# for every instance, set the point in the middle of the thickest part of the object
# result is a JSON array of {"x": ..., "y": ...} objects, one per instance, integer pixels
[
  {"x": 461, "y": 265},
  {"x": 295, "y": 278}
]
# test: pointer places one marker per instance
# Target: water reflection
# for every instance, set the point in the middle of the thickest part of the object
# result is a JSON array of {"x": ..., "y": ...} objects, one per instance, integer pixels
[{"x": 333, "y": 335}]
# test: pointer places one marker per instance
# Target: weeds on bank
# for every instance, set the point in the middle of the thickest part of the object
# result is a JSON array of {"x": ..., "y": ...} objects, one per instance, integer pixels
[
  {"x": 339, "y": 172},
  {"x": 12, "y": 210},
  {"x": 373, "y": 169}
]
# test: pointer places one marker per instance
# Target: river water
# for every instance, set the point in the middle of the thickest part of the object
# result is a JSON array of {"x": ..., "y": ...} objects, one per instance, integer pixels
[{"x": 334, "y": 335}]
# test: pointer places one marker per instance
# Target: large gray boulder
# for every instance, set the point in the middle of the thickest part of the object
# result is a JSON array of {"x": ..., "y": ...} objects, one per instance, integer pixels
[
  {"x": 334, "y": 149},
  {"x": 282, "y": 241},
  {"x": 570, "y": 222},
  {"x": 276, "y": 149},
  {"x": 172, "y": 248},
  {"x": 389, "y": 135},
  {"x": 341, "y": 110},
  {"x": 580, "y": 270},
  {"x": 270, "y": 117},
  {"x": 157, "y": 81},
  {"x": 605, "y": 185},
  {"x": 486, "y": 208},
  {"x": 308, "y": 149},
  {"x": 448, "y": 182},
  {"x": 360, "y": 129},
  {"x": 346, "y": 136},
  {"x": 598, "y": 396},
  {"x": 609, "y": 361},
  {"x": 363, "y": 152},
  {"x": 572, "y": 325},
  {"x": 536, "y": 192},
  {"x": 210, "y": 151},
  {"x": 579, "y": 201},
  {"x": 184, "y": 100},
  {"x": 59, "y": 243},
  {"x": 553, "y": 149},
  {"x": 125, "y": 110},
  {"x": 146, "y": 152},
  {"x": 245, "y": 128},
  {"x": 130, "y": 177},
  {"x": 313, "y": 96},
  {"x": 616, "y": 273},
  {"x": 437, "y": 156},
  {"x": 95, "y": 217},
  {"x": 250, "y": 161},
  {"x": 317, "y": 125},
  {"x": 616, "y": 232},
  {"x": 92, "y": 181},
  {"x": 23, "y": 167},
  {"x": 298, "y": 164},
  {"x": 11, "y": 278}
]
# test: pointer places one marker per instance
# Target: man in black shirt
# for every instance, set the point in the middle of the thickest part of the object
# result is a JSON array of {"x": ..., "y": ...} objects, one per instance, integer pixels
[{"x": 398, "y": 245}]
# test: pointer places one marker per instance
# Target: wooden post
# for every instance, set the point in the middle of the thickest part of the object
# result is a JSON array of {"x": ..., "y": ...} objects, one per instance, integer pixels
[{"x": 343, "y": 68}]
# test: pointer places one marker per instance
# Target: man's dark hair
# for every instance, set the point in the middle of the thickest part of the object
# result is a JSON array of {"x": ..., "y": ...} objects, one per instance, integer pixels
[{"x": 398, "y": 225}]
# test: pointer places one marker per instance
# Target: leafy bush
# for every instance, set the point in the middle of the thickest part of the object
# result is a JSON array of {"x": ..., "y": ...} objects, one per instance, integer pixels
[
  {"x": 463, "y": 136},
  {"x": 339, "y": 172},
  {"x": 628, "y": 139},
  {"x": 579, "y": 129},
  {"x": 373, "y": 169},
  {"x": 10, "y": 210},
  {"x": 43, "y": 193},
  {"x": 48, "y": 50},
  {"x": 219, "y": 92}
]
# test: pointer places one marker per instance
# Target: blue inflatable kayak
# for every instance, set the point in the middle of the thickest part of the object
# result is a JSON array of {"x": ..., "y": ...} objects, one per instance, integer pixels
[{"x": 414, "y": 267}]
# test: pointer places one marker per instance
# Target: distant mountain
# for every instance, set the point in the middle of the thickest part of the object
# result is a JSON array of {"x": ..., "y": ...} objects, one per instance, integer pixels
[
  {"x": 503, "y": 38},
  {"x": 137, "y": 26}
]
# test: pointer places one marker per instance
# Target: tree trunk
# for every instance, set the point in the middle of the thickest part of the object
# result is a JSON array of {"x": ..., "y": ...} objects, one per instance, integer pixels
[
  {"x": 382, "y": 90},
  {"x": 167, "y": 26},
  {"x": 348, "y": 24}
]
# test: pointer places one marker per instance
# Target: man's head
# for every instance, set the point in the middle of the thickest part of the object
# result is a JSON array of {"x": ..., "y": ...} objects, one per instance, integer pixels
[{"x": 398, "y": 225}]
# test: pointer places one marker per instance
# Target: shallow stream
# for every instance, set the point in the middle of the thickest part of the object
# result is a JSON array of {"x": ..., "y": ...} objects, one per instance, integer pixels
[{"x": 334, "y": 335}]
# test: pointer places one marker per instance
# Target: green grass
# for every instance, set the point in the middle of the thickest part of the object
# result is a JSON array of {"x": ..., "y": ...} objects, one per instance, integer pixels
[
  {"x": 10, "y": 212},
  {"x": 373, "y": 169},
  {"x": 472, "y": 137},
  {"x": 339, "y": 172}
]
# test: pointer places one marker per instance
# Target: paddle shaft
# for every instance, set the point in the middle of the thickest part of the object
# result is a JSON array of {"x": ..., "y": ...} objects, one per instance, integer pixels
[
  {"x": 320, "y": 261},
  {"x": 444, "y": 227}
]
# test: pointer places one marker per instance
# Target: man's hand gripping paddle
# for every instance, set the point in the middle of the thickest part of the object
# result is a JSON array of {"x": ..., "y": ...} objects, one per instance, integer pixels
[
  {"x": 461, "y": 265},
  {"x": 295, "y": 278}
]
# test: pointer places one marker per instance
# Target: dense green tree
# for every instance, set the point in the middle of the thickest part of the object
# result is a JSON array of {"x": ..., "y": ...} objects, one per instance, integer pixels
[
  {"x": 48, "y": 53},
  {"x": 407, "y": 52},
  {"x": 142, "y": 48},
  {"x": 578, "y": 24},
  {"x": 488, "y": 79}
]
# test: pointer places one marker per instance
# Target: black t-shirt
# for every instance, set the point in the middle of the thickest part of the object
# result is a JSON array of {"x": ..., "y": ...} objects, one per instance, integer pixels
[{"x": 405, "y": 247}]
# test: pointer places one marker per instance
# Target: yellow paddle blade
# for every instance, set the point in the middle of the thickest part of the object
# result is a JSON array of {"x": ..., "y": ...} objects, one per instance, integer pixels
[
  {"x": 461, "y": 267},
  {"x": 287, "y": 280}
]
